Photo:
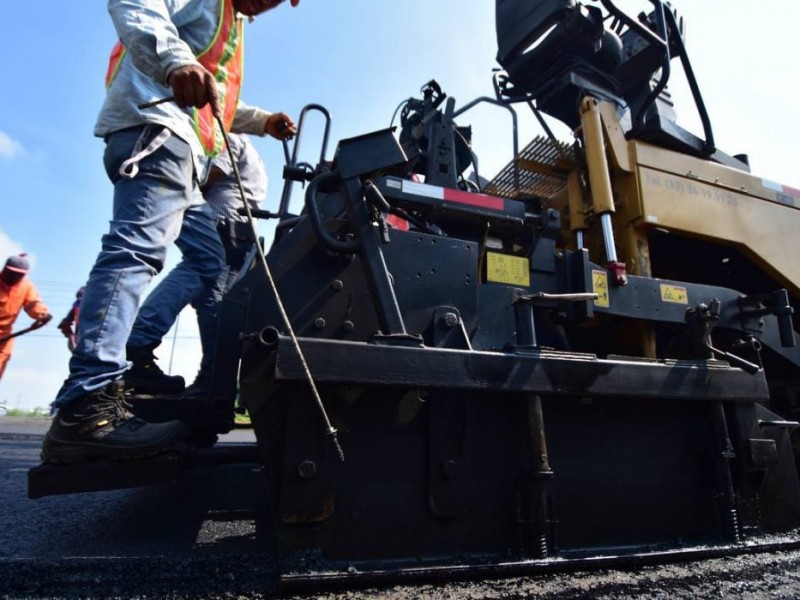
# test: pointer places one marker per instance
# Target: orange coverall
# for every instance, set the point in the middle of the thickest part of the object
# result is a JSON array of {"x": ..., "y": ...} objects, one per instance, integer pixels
[{"x": 14, "y": 298}]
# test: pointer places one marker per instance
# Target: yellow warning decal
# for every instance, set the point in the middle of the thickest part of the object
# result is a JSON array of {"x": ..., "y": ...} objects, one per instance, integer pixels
[
  {"x": 674, "y": 293},
  {"x": 600, "y": 287},
  {"x": 513, "y": 270}
]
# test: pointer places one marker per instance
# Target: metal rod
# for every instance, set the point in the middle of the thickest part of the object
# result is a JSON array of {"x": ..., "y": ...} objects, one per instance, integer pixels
[
  {"x": 33, "y": 327},
  {"x": 608, "y": 237},
  {"x": 573, "y": 297},
  {"x": 785, "y": 424},
  {"x": 174, "y": 338},
  {"x": 538, "y": 474},
  {"x": 156, "y": 102},
  {"x": 330, "y": 431},
  {"x": 724, "y": 454}
]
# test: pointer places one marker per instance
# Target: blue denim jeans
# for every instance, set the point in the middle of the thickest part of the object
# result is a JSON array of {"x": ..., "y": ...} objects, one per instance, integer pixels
[
  {"x": 193, "y": 281},
  {"x": 148, "y": 216},
  {"x": 208, "y": 304}
]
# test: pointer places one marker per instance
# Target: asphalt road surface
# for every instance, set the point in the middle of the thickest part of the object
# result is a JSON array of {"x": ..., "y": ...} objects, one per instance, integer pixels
[
  {"x": 208, "y": 536},
  {"x": 194, "y": 537}
]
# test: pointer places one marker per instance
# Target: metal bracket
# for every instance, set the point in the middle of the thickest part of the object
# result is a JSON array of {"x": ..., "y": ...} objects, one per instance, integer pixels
[{"x": 756, "y": 306}]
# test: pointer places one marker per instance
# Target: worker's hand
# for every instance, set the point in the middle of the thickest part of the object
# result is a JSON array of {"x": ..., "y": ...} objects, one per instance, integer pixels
[
  {"x": 280, "y": 126},
  {"x": 251, "y": 8},
  {"x": 193, "y": 85},
  {"x": 41, "y": 322},
  {"x": 215, "y": 175},
  {"x": 65, "y": 327}
]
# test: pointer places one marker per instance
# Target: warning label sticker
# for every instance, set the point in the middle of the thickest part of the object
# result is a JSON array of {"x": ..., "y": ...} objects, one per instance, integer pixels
[
  {"x": 600, "y": 287},
  {"x": 513, "y": 270},
  {"x": 674, "y": 293}
]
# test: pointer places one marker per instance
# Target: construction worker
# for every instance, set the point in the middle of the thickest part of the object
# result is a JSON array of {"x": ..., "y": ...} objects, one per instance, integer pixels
[
  {"x": 69, "y": 324},
  {"x": 156, "y": 156},
  {"x": 158, "y": 314},
  {"x": 17, "y": 292}
]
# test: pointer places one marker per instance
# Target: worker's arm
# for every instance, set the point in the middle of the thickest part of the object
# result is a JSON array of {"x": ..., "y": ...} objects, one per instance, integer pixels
[
  {"x": 256, "y": 121},
  {"x": 34, "y": 306},
  {"x": 250, "y": 119},
  {"x": 148, "y": 30}
]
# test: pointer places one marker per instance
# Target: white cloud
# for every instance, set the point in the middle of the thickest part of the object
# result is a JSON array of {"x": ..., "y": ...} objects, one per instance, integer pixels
[
  {"x": 9, "y": 147},
  {"x": 9, "y": 247}
]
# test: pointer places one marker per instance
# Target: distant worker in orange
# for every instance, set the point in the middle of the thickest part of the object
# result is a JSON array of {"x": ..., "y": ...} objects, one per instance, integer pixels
[
  {"x": 67, "y": 323},
  {"x": 17, "y": 292}
]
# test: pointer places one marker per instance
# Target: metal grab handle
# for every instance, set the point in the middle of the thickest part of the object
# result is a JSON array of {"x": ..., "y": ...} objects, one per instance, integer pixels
[
  {"x": 514, "y": 126},
  {"x": 291, "y": 162}
]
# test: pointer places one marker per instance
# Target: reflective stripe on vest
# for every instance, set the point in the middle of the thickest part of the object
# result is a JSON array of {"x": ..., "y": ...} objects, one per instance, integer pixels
[
  {"x": 118, "y": 53},
  {"x": 223, "y": 58}
]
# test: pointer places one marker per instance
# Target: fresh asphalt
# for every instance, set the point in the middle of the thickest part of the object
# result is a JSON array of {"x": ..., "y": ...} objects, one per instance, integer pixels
[
  {"x": 206, "y": 535},
  {"x": 209, "y": 536}
]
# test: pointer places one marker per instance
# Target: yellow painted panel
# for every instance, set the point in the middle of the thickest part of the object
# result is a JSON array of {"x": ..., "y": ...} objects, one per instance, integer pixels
[
  {"x": 766, "y": 231},
  {"x": 695, "y": 169},
  {"x": 502, "y": 268}
]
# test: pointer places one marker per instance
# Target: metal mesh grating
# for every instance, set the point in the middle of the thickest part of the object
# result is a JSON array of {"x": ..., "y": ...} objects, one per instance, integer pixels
[{"x": 543, "y": 168}]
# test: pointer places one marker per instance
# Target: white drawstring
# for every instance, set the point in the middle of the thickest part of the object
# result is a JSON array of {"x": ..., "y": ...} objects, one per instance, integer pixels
[{"x": 130, "y": 167}]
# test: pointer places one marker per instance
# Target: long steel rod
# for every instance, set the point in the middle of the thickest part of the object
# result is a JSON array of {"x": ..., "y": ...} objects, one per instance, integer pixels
[{"x": 329, "y": 429}]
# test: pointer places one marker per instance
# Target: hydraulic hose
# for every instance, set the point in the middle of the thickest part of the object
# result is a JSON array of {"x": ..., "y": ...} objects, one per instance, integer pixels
[{"x": 312, "y": 208}]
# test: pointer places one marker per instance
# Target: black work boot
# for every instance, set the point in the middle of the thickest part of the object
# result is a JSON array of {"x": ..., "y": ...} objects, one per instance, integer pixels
[
  {"x": 146, "y": 377},
  {"x": 99, "y": 425},
  {"x": 200, "y": 388}
]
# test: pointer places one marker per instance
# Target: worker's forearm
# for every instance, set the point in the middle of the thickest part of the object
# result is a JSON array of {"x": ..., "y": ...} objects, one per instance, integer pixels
[{"x": 250, "y": 119}]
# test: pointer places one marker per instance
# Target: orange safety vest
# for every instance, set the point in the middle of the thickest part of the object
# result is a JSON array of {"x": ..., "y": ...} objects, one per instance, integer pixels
[{"x": 223, "y": 58}]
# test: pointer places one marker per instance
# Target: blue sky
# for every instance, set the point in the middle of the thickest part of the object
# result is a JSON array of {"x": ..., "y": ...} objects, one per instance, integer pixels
[{"x": 359, "y": 58}]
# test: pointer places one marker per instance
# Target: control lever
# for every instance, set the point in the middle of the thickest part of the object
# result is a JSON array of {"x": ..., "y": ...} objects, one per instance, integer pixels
[
  {"x": 259, "y": 213},
  {"x": 708, "y": 314},
  {"x": 733, "y": 360},
  {"x": 282, "y": 125}
]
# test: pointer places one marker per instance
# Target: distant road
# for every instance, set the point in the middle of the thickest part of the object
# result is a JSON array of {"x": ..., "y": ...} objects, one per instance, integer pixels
[{"x": 15, "y": 426}]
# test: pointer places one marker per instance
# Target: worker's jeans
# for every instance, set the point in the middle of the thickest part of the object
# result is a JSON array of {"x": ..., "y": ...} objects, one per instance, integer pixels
[
  {"x": 162, "y": 204},
  {"x": 209, "y": 302},
  {"x": 188, "y": 283}
]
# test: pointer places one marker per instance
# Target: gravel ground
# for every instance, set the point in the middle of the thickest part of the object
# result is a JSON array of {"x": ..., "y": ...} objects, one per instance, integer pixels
[
  {"x": 765, "y": 576},
  {"x": 775, "y": 575}
]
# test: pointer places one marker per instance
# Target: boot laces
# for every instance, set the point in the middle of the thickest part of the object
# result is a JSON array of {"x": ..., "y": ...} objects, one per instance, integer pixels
[
  {"x": 113, "y": 407},
  {"x": 152, "y": 365}
]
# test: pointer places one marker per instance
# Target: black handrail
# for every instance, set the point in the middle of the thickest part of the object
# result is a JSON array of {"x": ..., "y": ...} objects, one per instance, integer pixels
[{"x": 286, "y": 196}]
